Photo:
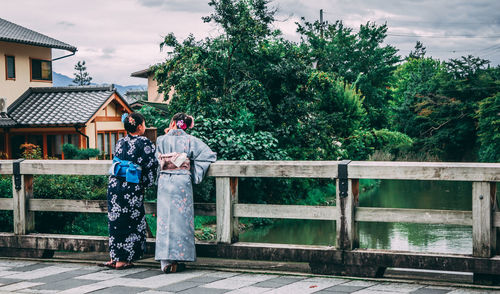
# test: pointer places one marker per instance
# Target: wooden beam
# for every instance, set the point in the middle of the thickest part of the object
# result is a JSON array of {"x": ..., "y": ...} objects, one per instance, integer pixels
[
  {"x": 450, "y": 171},
  {"x": 92, "y": 206},
  {"x": 496, "y": 219},
  {"x": 6, "y": 167},
  {"x": 65, "y": 205},
  {"x": 24, "y": 221},
  {"x": 277, "y": 169},
  {"x": 483, "y": 207},
  {"x": 286, "y": 211},
  {"x": 418, "y": 216},
  {"x": 65, "y": 167},
  {"x": 6, "y": 204},
  {"x": 347, "y": 238},
  {"x": 226, "y": 197}
]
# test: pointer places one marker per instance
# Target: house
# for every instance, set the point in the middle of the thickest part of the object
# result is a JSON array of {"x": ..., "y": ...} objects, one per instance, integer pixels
[
  {"x": 85, "y": 116},
  {"x": 32, "y": 111},
  {"x": 26, "y": 57},
  {"x": 153, "y": 96}
]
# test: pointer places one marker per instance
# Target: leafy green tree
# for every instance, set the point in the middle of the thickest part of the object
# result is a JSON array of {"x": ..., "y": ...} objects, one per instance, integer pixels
[
  {"x": 82, "y": 77},
  {"x": 489, "y": 128},
  {"x": 358, "y": 57},
  {"x": 413, "y": 79}
]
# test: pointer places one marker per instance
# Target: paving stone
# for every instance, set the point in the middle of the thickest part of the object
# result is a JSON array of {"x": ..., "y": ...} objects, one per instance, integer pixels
[
  {"x": 108, "y": 274},
  {"x": 120, "y": 290},
  {"x": 200, "y": 290},
  {"x": 205, "y": 279},
  {"x": 16, "y": 263},
  {"x": 18, "y": 286},
  {"x": 366, "y": 291},
  {"x": 395, "y": 287},
  {"x": 63, "y": 276},
  {"x": 428, "y": 290},
  {"x": 39, "y": 273},
  {"x": 153, "y": 282},
  {"x": 307, "y": 286},
  {"x": 471, "y": 291},
  {"x": 222, "y": 274},
  {"x": 64, "y": 284},
  {"x": 32, "y": 291},
  {"x": 5, "y": 281},
  {"x": 177, "y": 287},
  {"x": 236, "y": 282},
  {"x": 344, "y": 289},
  {"x": 144, "y": 274},
  {"x": 249, "y": 290},
  {"x": 254, "y": 277},
  {"x": 278, "y": 282},
  {"x": 360, "y": 283},
  {"x": 155, "y": 292},
  {"x": 31, "y": 267}
]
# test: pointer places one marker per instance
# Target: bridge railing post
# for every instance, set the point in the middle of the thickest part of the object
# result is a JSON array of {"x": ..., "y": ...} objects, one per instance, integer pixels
[
  {"x": 226, "y": 197},
  {"x": 483, "y": 210},
  {"x": 22, "y": 191},
  {"x": 347, "y": 200}
]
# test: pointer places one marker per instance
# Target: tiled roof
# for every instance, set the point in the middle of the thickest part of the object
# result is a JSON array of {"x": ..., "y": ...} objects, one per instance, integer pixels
[
  {"x": 6, "y": 121},
  {"x": 59, "y": 106},
  {"x": 11, "y": 32},
  {"x": 141, "y": 73}
]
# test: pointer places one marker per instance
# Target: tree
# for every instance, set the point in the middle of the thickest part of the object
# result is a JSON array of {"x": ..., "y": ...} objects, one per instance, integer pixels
[
  {"x": 82, "y": 77},
  {"x": 418, "y": 53},
  {"x": 489, "y": 128},
  {"x": 358, "y": 57}
]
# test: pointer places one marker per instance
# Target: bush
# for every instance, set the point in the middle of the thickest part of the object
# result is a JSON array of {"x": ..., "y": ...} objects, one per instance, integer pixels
[{"x": 72, "y": 152}]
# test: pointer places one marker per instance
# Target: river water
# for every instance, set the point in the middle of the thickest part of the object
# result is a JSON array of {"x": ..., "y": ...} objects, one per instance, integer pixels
[{"x": 394, "y": 236}]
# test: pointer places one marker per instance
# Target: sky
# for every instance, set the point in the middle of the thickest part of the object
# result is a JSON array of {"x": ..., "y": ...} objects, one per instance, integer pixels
[{"x": 119, "y": 37}]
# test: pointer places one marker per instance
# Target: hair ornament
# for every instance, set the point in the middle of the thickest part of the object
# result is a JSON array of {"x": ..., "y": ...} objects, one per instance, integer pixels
[
  {"x": 181, "y": 125},
  {"x": 131, "y": 120},
  {"x": 124, "y": 117}
]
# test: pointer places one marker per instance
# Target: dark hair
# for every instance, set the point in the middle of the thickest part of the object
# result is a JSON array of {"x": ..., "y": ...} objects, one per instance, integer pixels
[
  {"x": 184, "y": 117},
  {"x": 132, "y": 121}
]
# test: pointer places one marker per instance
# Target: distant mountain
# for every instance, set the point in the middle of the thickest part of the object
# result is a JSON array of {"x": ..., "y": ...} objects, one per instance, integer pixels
[{"x": 60, "y": 80}]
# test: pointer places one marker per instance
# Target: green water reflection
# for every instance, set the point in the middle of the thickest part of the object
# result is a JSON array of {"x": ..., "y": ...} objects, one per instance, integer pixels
[{"x": 394, "y": 236}]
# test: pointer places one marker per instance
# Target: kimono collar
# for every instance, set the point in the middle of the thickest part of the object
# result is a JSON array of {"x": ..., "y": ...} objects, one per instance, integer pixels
[{"x": 176, "y": 132}]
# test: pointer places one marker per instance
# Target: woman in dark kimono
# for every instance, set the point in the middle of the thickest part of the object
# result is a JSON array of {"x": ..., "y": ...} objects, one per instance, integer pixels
[
  {"x": 183, "y": 159},
  {"x": 134, "y": 168}
]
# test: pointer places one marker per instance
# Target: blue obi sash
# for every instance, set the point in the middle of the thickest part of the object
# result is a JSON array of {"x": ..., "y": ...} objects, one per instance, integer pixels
[{"x": 126, "y": 169}]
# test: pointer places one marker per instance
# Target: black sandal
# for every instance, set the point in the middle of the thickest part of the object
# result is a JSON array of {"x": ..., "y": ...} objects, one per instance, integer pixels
[
  {"x": 109, "y": 264},
  {"x": 125, "y": 266},
  {"x": 174, "y": 268}
]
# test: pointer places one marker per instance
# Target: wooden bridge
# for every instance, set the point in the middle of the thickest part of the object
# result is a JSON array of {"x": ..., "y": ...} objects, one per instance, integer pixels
[{"x": 344, "y": 259}]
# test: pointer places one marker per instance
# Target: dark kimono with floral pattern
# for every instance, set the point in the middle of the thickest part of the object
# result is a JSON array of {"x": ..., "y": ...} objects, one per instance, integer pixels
[{"x": 127, "y": 221}]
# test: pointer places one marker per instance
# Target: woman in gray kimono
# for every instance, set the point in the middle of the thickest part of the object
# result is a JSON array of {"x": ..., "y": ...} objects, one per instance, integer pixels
[{"x": 183, "y": 159}]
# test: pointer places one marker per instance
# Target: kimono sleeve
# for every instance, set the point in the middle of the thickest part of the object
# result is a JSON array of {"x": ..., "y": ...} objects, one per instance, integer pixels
[
  {"x": 149, "y": 164},
  {"x": 202, "y": 156}
]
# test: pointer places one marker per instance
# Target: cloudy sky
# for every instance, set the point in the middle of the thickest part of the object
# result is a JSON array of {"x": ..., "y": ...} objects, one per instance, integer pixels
[{"x": 118, "y": 37}]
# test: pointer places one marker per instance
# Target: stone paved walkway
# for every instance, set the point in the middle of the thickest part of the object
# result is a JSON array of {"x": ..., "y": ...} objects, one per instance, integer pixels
[{"x": 19, "y": 276}]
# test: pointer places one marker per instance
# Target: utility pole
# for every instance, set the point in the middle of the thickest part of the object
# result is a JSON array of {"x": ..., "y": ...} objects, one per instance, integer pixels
[{"x": 321, "y": 23}]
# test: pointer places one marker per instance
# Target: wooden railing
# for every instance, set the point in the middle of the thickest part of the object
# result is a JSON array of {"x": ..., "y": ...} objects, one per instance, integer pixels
[{"x": 346, "y": 258}]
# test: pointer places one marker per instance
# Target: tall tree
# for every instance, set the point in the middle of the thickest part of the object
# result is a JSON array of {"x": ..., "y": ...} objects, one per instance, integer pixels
[
  {"x": 418, "y": 53},
  {"x": 82, "y": 77},
  {"x": 359, "y": 57}
]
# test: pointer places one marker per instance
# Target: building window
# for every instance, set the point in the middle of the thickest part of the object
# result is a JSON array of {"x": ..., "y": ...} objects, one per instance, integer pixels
[
  {"x": 41, "y": 70},
  {"x": 10, "y": 67},
  {"x": 106, "y": 142}
]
